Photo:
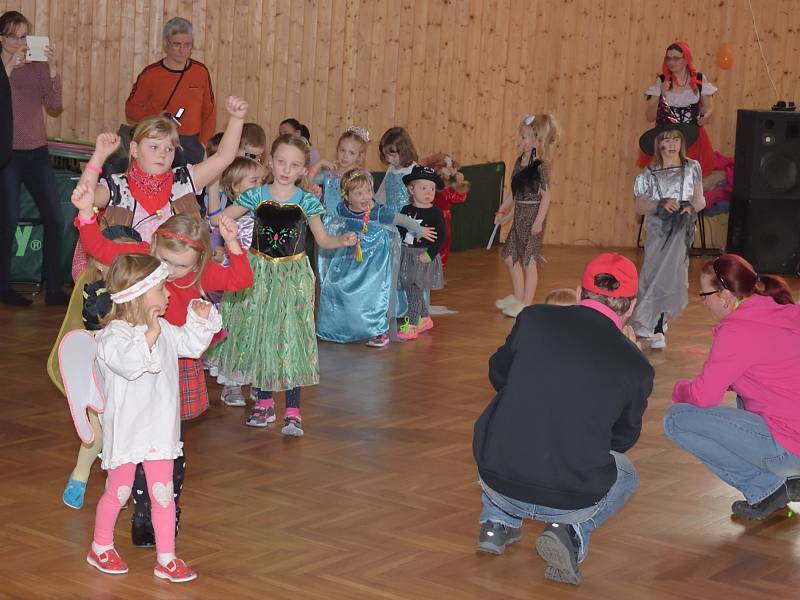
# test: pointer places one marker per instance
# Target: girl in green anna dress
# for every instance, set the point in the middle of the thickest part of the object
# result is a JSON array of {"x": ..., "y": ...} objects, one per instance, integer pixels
[{"x": 271, "y": 341}]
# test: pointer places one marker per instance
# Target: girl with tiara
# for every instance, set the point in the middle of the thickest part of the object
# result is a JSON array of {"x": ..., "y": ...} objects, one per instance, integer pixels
[
  {"x": 357, "y": 299},
  {"x": 137, "y": 359},
  {"x": 351, "y": 152},
  {"x": 530, "y": 200},
  {"x": 271, "y": 343}
]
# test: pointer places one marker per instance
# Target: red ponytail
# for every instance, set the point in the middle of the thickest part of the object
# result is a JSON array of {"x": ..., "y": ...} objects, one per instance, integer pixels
[{"x": 733, "y": 273}]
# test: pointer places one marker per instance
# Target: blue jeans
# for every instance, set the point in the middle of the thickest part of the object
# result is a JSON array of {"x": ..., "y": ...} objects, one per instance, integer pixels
[
  {"x": 735, "y": 444},
  {"x": 502, "y": 509},
  {"x": 31, "y": 167}
]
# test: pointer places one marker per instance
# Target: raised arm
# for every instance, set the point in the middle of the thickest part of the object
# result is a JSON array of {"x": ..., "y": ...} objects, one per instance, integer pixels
[{"x": 211, "y": 168}]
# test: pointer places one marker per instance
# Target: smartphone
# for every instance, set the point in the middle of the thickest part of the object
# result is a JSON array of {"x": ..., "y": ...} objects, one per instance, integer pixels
[
  {"x": 179, "y": 113},
  {"x": 36, "y": 46}
]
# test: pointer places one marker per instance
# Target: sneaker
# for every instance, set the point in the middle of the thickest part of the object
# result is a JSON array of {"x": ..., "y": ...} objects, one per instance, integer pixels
[
  {"x": 176, "y": 571},
  {"x": 503, "y": 302},
  {"x": 292, "y": 426},
  {"x": 14, "y": 298},
  {"x": 558, "y": 547},
  {"x": 424, "y": 324},
  {"x": 379, "y": 341},
  {"x": 74, "y": 492},
  {"x": 494, "y": 537},
  {"x": 513, "y": 309},
  {"x": 142, "y": 534},
  {"x": 262, "y": 415},
  {"x": 232, "y": 396},
  {"x": 407, "y": 331},
  {"x": 762, "y": 510},
  {"x": 107, "y": 562},
  {"x": 658, "y": 341}
]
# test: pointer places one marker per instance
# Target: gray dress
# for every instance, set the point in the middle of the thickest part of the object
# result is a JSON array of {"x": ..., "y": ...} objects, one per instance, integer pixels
[{"x": 664, "y": 277}]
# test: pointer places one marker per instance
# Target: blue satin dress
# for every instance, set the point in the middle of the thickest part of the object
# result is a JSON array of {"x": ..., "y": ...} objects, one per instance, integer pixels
[{"x": 357, "y": 300}]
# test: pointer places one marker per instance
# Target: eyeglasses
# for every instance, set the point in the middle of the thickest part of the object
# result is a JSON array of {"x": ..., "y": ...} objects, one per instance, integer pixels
[
  {"x": 17, "y": 38},
  {"x": 718, "y": 275},
  {"x": 182, "y": 45},
  {"x": 251, "y": 156},
  {"x": 669, "y": 58}
]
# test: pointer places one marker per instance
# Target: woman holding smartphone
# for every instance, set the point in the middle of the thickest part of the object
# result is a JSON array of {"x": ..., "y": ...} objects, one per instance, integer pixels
[{"x": 34, "y": 86}]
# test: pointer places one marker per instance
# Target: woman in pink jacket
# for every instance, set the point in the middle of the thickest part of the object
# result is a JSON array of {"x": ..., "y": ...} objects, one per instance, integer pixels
[{"x": 756, "y": 353}]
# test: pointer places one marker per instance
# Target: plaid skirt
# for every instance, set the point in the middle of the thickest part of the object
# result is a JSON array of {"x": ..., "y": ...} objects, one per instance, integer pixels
[{"x": 194, "y": 393}]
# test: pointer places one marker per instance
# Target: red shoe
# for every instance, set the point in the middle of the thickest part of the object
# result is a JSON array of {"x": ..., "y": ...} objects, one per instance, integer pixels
[
  {"x": 176, "y": 571},
  {"x": 107, "y": 562},
  {"x": 424, "y": 324}
]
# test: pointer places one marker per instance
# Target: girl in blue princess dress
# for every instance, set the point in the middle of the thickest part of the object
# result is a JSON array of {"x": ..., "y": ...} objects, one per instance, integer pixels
[{"x": 356, "y": 285}]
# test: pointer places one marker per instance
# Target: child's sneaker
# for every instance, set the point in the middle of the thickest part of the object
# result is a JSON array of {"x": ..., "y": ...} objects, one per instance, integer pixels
[
  {"x": 107, "y": 562},
  {"x": 293, "y": 426},
  {"x": 424, "y": 324},
  {"x": 176, "y": 571},
  {"x": 407, "y": 331},
  {"x": 232, "y": 396},
  {"x": 263, "y": 414},
  {"x": 379, "y": 341},
  {"x": 74, "y": 492}
]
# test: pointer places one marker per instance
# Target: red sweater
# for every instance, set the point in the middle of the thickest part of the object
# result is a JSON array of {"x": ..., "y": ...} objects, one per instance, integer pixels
[
  {"x": 237, "y": 276},
  {"x": 194, "y": 94}
]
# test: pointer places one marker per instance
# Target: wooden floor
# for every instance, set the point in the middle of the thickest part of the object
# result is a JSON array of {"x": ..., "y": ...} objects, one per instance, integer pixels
[{"x": 379, "y": 499}]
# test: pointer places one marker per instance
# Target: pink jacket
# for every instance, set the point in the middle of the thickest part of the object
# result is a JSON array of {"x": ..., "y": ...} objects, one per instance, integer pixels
[{"x": 756, "y": 353}]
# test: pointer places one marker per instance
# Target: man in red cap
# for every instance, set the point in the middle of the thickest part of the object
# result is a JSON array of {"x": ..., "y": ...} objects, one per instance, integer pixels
[{"x": 571, "y": 392}]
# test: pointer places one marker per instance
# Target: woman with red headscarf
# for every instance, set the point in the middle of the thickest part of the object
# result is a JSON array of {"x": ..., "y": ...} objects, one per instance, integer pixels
[{"x": 682, "y": 94}]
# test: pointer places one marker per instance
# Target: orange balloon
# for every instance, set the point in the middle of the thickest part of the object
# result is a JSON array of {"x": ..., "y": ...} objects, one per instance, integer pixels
[{"x": 725, "y": 56}]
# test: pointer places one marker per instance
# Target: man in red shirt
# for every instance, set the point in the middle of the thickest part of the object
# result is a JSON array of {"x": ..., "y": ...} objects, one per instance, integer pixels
[{"x": 177, "y": 82}]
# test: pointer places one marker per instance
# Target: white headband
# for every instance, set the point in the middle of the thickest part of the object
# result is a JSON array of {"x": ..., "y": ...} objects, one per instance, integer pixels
[
  {"x": 359, "y": 131},
  {"x": 141, "y": 287},
  {"x": 527, "y": 120}
]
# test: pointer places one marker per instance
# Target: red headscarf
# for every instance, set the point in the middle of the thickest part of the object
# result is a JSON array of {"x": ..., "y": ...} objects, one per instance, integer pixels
[{"x": 687, "y": 54}]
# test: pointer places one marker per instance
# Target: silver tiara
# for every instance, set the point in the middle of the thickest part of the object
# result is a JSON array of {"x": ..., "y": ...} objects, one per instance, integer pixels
[
  {"x": 359, "y": 131},
  {"x": 527, "y": 120}
]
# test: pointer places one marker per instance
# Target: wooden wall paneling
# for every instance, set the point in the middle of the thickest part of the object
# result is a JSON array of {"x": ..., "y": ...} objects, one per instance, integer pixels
[
  {"x": 264, "y": 114},
  {"x": 308, "y": 42},
  {"x": 363, "y": 57},
  {"x": 240, "y": 64},
  {"x": 317, "y": 118},
  {"x": 349, "y": 70},
  {"x": 386, "y": 81},
  {"x": 457, "y": 31},
  {"x": 419, "y": 52},
  {"x": 98, "y": 94},
  {"x": 376, "y": 113},
  {"x": 280, "y": 70},
  {"x": 608, "y": 210},
  {"x": 196, "y": 12},
  {"x": 326, "y": 143},
  {"x": 471, "y": 81},
  {"x": 254, "y": 71},
  {"x": 429, "y": 73},
  {"x": 294, "y": 75},
  {"x": 405, "y": 65}
]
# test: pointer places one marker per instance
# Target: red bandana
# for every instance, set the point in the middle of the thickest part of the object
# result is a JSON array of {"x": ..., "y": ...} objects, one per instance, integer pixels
[
  {"x": 150, "y": 191},
  {"x": 687, "y": 54}
]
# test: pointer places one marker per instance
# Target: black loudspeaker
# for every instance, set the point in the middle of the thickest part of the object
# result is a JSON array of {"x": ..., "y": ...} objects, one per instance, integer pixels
[{"x": 764, "y": 220}]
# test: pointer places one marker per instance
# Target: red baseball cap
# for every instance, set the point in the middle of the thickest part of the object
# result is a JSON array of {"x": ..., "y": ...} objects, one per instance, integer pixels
[{"x": 621, "y": 268}]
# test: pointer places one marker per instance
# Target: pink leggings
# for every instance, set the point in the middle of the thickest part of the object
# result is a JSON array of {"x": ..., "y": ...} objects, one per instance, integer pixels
[{"x": 120, "y": 481}]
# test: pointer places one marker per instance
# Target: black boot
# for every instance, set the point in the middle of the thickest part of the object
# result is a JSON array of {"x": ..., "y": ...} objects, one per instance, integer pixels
[
  {"x": 762, "y": 510},
  {"x": 142, "y": 534}
]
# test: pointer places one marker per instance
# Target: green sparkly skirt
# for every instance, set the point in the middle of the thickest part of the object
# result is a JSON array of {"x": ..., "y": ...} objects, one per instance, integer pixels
[{"x": 271, "y": 342}]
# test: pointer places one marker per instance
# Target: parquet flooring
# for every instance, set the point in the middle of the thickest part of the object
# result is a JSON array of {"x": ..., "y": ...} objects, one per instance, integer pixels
[{"x": 379, "y": 499}]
